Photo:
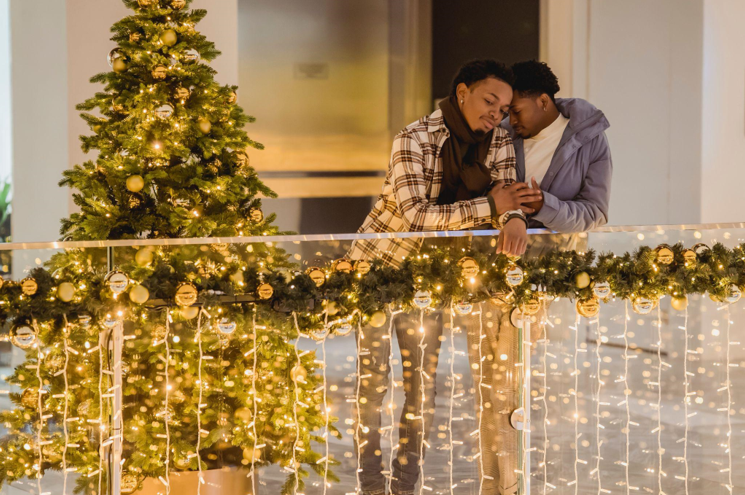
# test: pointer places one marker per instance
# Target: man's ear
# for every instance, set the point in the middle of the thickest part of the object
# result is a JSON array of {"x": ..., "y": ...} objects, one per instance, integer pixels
[
  {"x": 544, "y": 101},
  {"x": 461, "y": 91}
]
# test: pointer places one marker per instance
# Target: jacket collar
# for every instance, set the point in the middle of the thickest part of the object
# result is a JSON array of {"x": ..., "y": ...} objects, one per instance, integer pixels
[{"x": 436, "y": 123}]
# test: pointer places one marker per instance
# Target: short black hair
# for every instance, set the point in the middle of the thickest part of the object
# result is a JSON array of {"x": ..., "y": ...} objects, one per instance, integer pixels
[
  {"x": 533, "y": 78},
  {"x": 478, "y": 70}
]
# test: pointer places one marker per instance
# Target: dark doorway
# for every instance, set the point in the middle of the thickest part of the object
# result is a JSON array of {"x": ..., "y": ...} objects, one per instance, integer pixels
[{"x": 504, "y": 30}]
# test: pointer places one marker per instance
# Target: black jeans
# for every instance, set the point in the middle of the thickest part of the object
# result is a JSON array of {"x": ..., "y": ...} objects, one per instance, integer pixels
[{"x": 416, "y": 348}]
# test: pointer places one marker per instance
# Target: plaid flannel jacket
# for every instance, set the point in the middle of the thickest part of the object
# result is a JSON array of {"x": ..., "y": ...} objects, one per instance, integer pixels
[{"x": 408, "y": 202}]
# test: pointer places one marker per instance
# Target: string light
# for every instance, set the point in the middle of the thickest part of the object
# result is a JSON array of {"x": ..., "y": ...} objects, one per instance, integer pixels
[
  {"x": 200, "y": 363},
  {"x": 730, "y": 486},
  {"x": 360, "y": 337},
  {"x": 576, "y": 405},
  {"x": 482, "y": 336},
  {"x": 544, "y": 463},
  {"x": 65, "y": 413},
  {"x": 451, "y": 377},
  {"x": 100, "y": 416},
  {"x": 40, "y": 403},
  {"x": 598, "y": 426},
  {"x": 391, "y": 405},
  {"x": 660, "y": 473},
  {"x": 326, "y": 411},
  {"x": 686, "y": 399},
  {"x": 294, "y": 407},
  {"x": 167, "y": 413},
  {"x": 626, "y": 390},
  {"x": 423, "y": 398}
]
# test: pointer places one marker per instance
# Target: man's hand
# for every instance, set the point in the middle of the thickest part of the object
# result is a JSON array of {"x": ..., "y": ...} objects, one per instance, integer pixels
[
  {"x": 514, "y": 197},
  {"x": 535, "y": 205},
  {"x": 513, "y": 240}
]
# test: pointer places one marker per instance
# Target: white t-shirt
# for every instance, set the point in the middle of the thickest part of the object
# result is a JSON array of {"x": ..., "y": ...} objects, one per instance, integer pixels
[{"x": 540, "y": 149}]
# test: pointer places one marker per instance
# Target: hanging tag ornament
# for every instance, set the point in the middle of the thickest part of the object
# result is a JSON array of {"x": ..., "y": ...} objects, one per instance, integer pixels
[
  {"x": 316, "y": 275},
  {"x": 464, "y": 308},
  {"x": 601, "y": 290},
  {"x": 178, "y": 4},
  {"x": 164, "y": 111},
  {"x": 23, "y": 336},
  {"x": 226, "y": 326},
  {"x": 117, "y": 282},
  {"x": 643, "y": 305},
  {"x": 256, "y": 215},
  {"x": 423, "y": 299},
  {"x": 515, "y": 275},
  {"x": 469, "y": 267},
  {"x": 531, "y": 307},
  {"x": 265, "y": 291},
  {"x": 29, "y": 286},
  {"x": 343, "y": 328},
  {"x": 733, "y": 294},
  {"x": 588, "y": 308},
  {"x": 186, "y": 295}
]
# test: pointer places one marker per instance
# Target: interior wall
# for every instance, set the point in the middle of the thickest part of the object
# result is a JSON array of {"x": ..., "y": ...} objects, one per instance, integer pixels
[
  {"x": 723, "y": 166},
  {"x": 641, "y": 63},
  {"x": 6, "y": 158}
]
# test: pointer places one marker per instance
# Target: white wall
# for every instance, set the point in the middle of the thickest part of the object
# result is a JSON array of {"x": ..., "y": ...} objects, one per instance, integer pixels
[
  {"x": 6, "y": 158},
  {"x": 640, "y": 62},
  {"x": 57, "y": 46},
  {"x": 723, "y": 163}
]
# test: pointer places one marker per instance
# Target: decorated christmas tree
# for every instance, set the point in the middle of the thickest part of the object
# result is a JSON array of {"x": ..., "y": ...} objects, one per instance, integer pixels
[{"x": 211, "y": 375}]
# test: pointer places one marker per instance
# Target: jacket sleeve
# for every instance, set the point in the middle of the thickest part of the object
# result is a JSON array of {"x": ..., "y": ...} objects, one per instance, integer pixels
[
  {"x": 589, "y": 209},
  {"x": 410, "y": 190}
]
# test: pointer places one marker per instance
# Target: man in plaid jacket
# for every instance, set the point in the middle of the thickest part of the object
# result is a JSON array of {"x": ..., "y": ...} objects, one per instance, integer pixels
[{"x": 451, "y": 170}]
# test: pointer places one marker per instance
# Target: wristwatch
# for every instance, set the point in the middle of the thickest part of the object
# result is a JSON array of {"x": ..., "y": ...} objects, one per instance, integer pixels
[{"x": 509, "y": 215}]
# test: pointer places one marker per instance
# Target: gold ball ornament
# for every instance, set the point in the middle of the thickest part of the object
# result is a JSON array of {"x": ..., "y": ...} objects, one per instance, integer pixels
[
  {"x": 139, "y": 294},
  {"x": 169, "y": 37},
  {"x": 66, "y": 291},
  {"x": 135, "y": 183},
  {"x": 531, "y": 307},
  {"x": 144, "y": 256},
  {"x": 160, "y": 73},
  {"x": 243, "y": 414},
  {"x": 362, "y": 267},
  {"x": 469, "y": 267},
  {"x": 251, "y": 455},
  {"x": 242, "y": 159},
  {"x": 186, "y": 295},
  {"x": 316, "y": 275},
  {"x": 331, "y": 307},
  {"x": 134, "y": 37},
  {"x": 378, "y": 319},
  {"x": 117, "y": 282},
  {"x": 178, "y": 4},
  {"x": 192, "y": 56},
  {"x": 256, "y": 215},
  {"x": 233, "y": 98},
  {"x": 343, "y": 266},
  {"x": 146, "y": 3},
  {"x": 516, "y": 317},
  {"x": 182, "y": 93},
  {"x": 588, "y": 308},
  {"x": 85, "y": 408},
  {"x": 643, "y": 305},
  {"x": 30, "y": 398},
  {"x": 515, "y": 275},
  {"x": 689, "y": 255},
  {"x": 205, "y": 126},
  {"x": 582, "y": 280},
  {"x": 119, "y": 66},
  {"x": 129, "y": 484},
  {"x": 665, "y": 255},
  {"x": 679, "y": 303},
  {"x": 29, "y": 286},
  {"x": 299, "y": 374},
  {"x": 182, "y": 463},
  {"x": 55, "y": 362},
  {"x": 265, "y": 291}
]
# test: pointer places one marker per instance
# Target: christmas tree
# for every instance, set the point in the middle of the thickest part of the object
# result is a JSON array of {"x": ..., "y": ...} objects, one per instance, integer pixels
[{"x": 211, "y": 378}]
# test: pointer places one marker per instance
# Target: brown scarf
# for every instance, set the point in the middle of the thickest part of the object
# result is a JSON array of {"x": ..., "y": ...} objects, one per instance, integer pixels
[{"x": 465, "y": 175}]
